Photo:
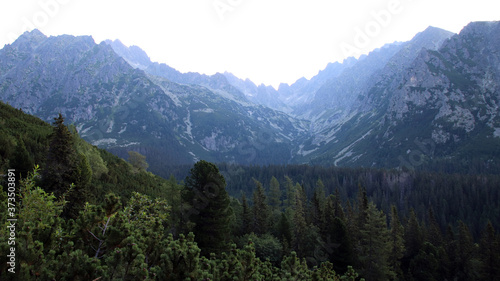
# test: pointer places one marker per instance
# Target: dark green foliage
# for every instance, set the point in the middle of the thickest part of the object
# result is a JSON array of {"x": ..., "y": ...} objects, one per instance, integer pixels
[
  {"x": 210, "y": 210},
  {"x": 285, "y": 231},
  {"x": 247, "y": 218},
  {"x": 489, "y": 253},
  {"x": 425, "y": 265},
  {"x": 274, "y": 198},
  {"x": 318, "y": 204},
  {"x": 299, "y": 225},
  {"x": 396, "y": 241},
  {"x": 180, "y": 260},
  {"x": 21, "y": 160},
  {"x": 261, "y": 212},
  {"x": 267, "y": 247},
  {"x": 472, "y": 197},
  {"x": 60, "y": 169},
  {"x": 339, "y": 246},
  {"x": 79, "y": 193},
  {"x": 374, "y": 247},
  {"x": 466, "y": 258},
  {"x": 18, "y": 129}
]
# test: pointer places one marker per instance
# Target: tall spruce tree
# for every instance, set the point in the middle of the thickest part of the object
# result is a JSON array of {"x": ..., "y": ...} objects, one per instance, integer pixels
[
  {"x": 397, "y": 243},
  {"x": 300, "y": 225},
  {"x": 466, "y": 259},
  {"x": 318, "y": 204},
  {"x": 60, "y": 169},
  {"x": 246, "y": 216},
  {"x": 489, "y": 254},
  {"x": 80, "y": 191},
  {"x": 260, "y": 210},
  {"x": 434, "y": 234},
  {"x": 413, "y": 236},
  {"x": 374, "y": 246},
  {"x": 285, "y": 232},
  {"x": 274, "y": 195},
  {"x": 339, "y": 246}
]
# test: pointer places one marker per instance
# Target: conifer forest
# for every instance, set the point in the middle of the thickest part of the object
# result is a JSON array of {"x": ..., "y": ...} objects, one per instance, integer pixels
[{"x": 85, "y": 214}]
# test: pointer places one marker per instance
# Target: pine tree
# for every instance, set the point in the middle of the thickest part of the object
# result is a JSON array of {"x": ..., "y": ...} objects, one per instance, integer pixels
[
  {"x": 448, "y": 263},
  {"x": 413, "y": 240},
  {"x": 338, "y": 242},
  {"x": 362, "y": 207},
  {"x": 60, "y": 169},
  {"x": 300, "y": 227},
  {"x": 274, "y": 195},
  {"x": 79, "y": 194},
  {"x": 337, "y": 205},
  {"x": 329, "y": 217},
  {"x": 413, "y": 236},
  {"x": 467, "y": 261},
  {"x": 318, "y": 204},
  {"x": 260, "y": 210},
  {"x": 285, "y": 232},
  {"x": 291, "y": 193},
  {"x": 375, "y": 246},
  {"x": 292, "y": 268},
  {"x": 425, "y": 265},
  {"x": 205, "y": 191},
  {"x": 247, "y": 217},
  {"x": 339, "y": 246},
  {"x": 181, "y": 259},
  {"x": 38, "y": 229},
  {"x": 397, "y": 244},
  {"x": 489, "y": 249},
  {"x": 434, "y": 234},
  {"x": 357, "y": 216}
]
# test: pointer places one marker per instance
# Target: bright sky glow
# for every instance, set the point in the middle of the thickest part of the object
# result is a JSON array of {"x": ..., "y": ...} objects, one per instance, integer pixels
[{"x": 268, "y": 42}]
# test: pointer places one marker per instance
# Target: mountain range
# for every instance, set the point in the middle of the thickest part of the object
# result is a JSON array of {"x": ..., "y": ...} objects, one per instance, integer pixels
[{"x": 434, "y": 98}]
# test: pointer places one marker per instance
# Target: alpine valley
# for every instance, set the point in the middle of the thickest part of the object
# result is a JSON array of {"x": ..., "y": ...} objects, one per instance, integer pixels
[{"x": 434, "y": 99}]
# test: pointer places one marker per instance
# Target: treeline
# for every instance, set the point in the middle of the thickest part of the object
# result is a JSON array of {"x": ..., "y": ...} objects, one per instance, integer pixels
[
  {"x": 471, "y": 198},
  {"x": 379, "y": 245}
]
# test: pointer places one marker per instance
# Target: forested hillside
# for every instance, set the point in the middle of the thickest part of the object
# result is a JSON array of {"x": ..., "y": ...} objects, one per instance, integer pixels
[{"x": 84, "y": 214}]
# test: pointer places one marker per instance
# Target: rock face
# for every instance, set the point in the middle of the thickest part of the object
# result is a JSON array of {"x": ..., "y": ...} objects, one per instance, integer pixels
[
  {"x": 446, "y": 97},
  {"x": 432, "y": 98}
]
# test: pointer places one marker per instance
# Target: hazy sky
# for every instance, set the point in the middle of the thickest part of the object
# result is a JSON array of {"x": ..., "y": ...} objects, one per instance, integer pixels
[{"x": 268, "y": 41}]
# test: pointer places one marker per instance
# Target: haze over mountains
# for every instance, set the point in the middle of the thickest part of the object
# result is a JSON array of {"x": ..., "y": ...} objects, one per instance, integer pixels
[{"x": 434, "y": 98}]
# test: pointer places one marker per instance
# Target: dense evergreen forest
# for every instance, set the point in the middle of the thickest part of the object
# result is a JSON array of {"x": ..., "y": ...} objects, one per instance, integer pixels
[{"x": 84, "y": 214}]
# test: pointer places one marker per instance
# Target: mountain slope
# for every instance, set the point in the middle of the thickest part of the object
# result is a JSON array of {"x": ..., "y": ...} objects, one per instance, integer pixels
[
  {"x": 122, "y": 108},
  {"x": 432, "y": 99},
  {"x": 93, "y": 88},
  {"x": 442, "y": 107}
]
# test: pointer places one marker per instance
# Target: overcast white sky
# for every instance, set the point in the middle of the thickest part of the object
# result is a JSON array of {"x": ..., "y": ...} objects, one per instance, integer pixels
[{"x": 267, "y": 41}]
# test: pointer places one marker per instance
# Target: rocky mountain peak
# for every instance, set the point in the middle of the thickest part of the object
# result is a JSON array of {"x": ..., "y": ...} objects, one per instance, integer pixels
[
  {"x": 481, "y": 28},
  {"x": 134, "y": 55},
  {"x": 29, "y": 40}
]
